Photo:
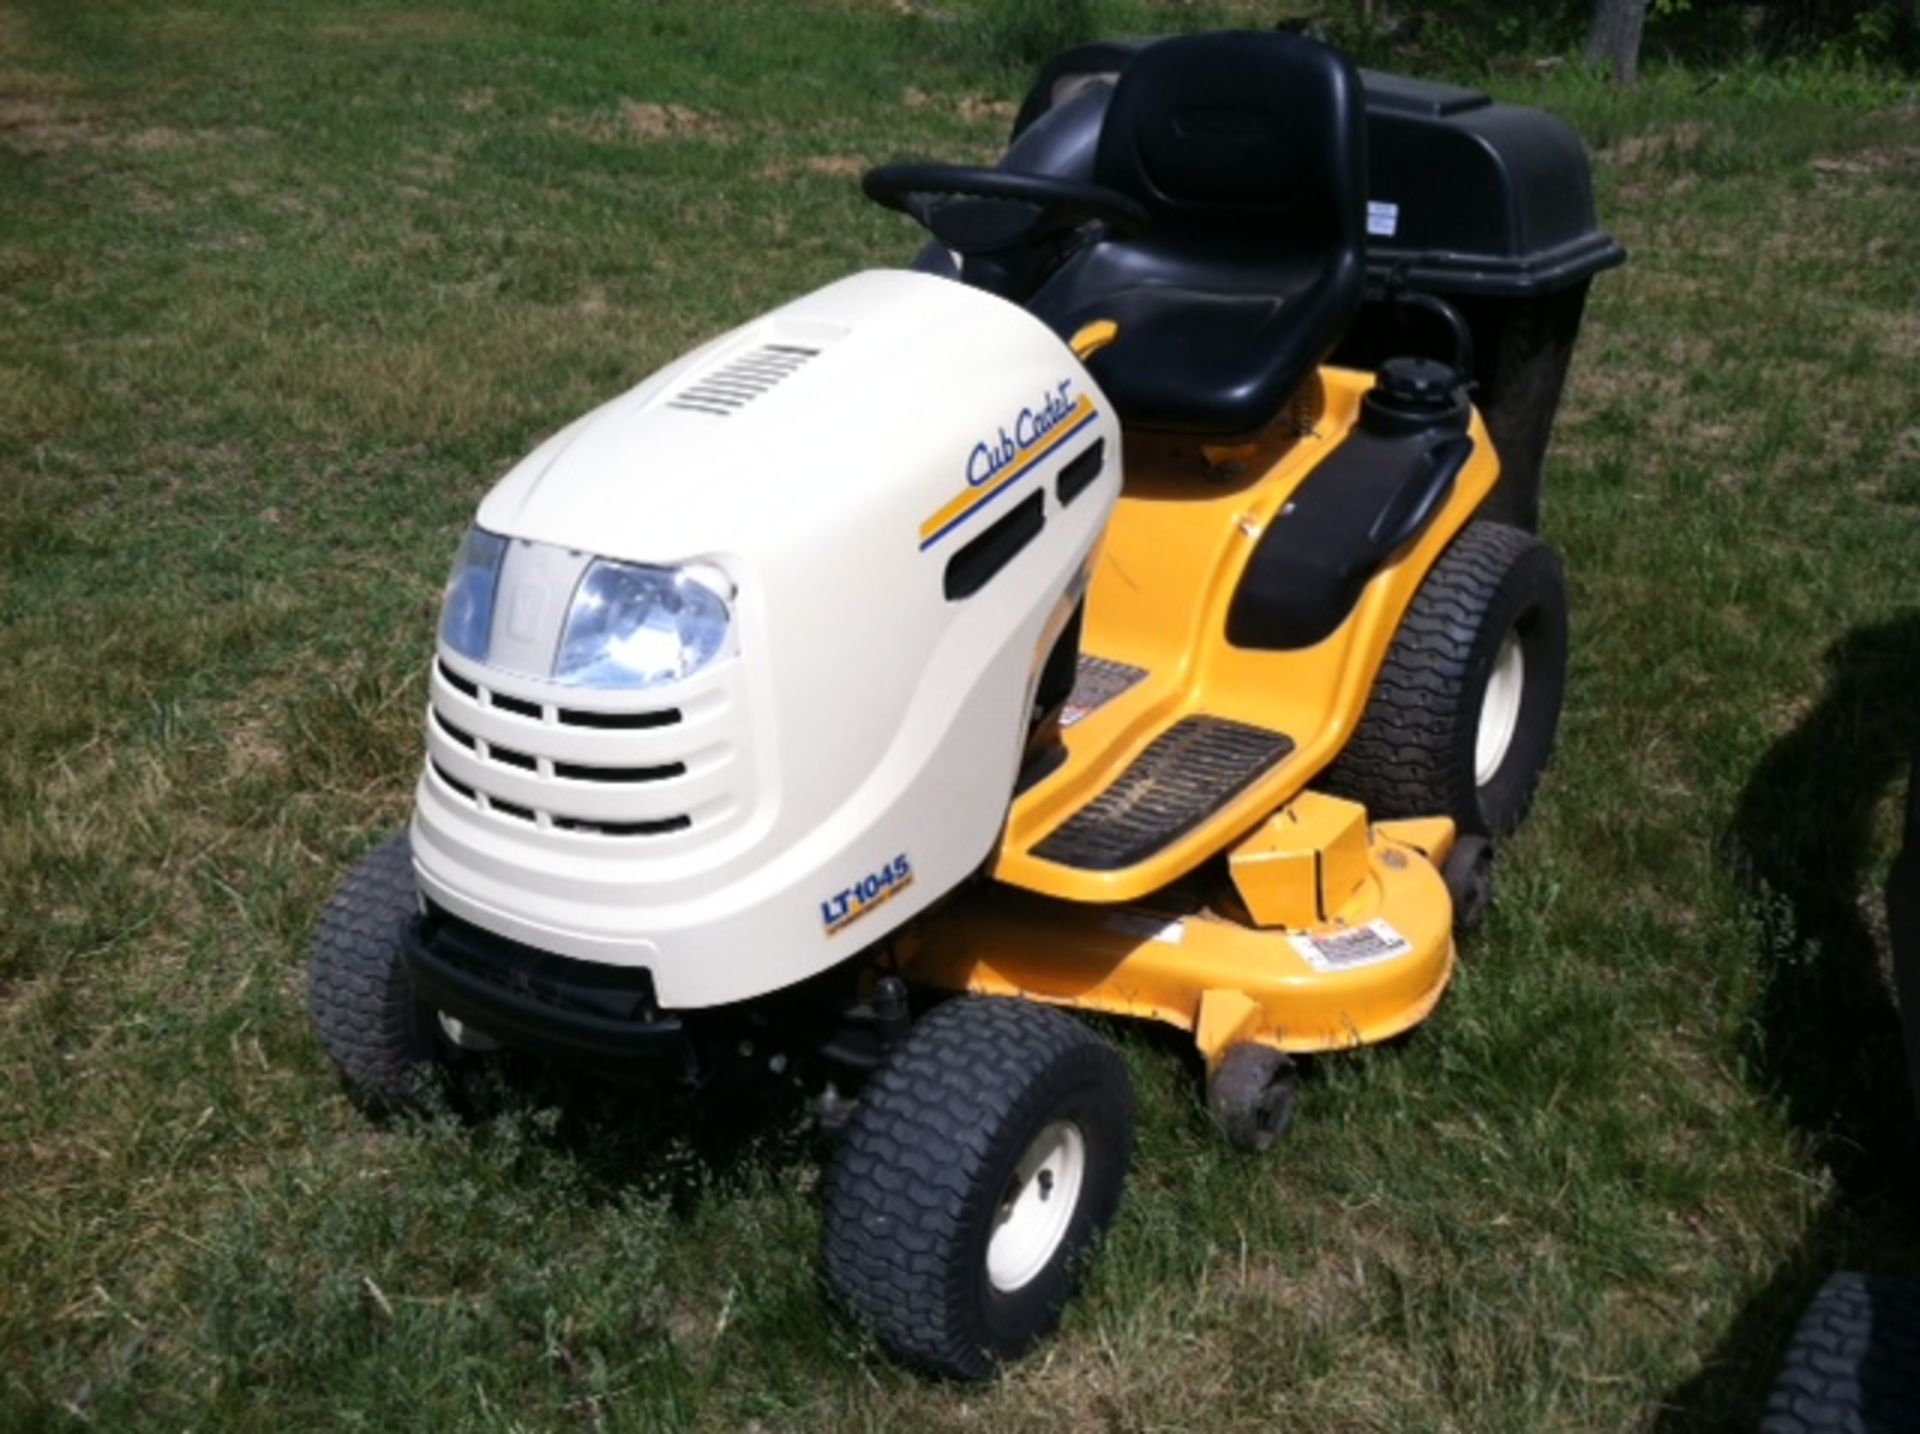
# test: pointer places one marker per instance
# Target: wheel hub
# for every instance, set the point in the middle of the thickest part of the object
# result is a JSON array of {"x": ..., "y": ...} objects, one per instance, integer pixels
[
  {"x": 1037, "y": 1206},
  {"x": 1500, "y": 709}
]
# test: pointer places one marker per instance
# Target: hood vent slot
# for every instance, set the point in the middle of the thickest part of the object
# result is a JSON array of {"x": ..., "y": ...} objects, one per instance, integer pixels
[{"x": 740, "y": 381}]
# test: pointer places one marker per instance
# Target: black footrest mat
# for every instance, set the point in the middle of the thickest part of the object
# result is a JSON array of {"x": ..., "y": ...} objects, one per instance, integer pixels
[{"x": 1186, "y": 774}]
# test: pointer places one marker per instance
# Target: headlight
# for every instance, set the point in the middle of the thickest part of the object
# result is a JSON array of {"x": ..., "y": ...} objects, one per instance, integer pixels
[
  {"x": 466, "y": 617},
  {"x": 631, "y": 626}
]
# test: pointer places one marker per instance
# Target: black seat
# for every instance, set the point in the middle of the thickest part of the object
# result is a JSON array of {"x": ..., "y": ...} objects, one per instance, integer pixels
[{"x": 1248, "y": 151}]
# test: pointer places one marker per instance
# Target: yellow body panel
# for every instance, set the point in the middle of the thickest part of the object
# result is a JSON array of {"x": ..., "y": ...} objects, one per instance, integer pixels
[
  {"x": 1323, "y": 931},
  {"x": 1179, "y": 960},
  {"x": 1303, "y": 863},
  {"x": 1185, "y": 526}
]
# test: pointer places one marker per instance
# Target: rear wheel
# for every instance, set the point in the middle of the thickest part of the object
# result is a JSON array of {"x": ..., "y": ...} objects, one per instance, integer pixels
[
  {"x": 1462, "y": 717},
  {"x": 985, "y": 1158},
  {"x": 381, "y": 1038}
]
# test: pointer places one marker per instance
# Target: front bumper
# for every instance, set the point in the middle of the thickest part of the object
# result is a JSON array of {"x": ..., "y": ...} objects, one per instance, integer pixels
[{"x": 540, "y": 1003}]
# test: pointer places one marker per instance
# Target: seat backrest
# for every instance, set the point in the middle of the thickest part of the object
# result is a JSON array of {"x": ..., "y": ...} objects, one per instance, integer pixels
[{"x": 1253, "y": 138}]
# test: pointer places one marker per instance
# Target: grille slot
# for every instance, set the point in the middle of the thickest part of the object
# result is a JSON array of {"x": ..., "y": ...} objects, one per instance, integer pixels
[
  {"x": 575, "y": 772},
  {"x": 619, "y": 721},
  {"x": 731, "y": 387},
  {"x": 517, "y": 706},
  {"x": 511, "y": 809},
  {"x": 1081, "y": 471},
  {"x": 452, "y": 781},
  {"x": 625, "y": 829},
  {"x": 465, "y": 739},
  {"x": 512, "y": 758},
  {"x": 459, "y": 683}
]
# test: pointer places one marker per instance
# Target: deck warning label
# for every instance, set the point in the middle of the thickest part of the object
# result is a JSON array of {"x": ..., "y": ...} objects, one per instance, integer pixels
[{"x": 1345, "y": 950}]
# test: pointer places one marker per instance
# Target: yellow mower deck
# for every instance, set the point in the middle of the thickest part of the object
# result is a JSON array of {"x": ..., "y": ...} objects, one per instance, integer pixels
[{"x": 1358, "y": 945}]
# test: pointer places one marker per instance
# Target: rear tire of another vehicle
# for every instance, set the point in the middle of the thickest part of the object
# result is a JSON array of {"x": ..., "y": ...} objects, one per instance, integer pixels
[
  {"x": 985, "y": 1158},
  {"x": 1462, "y": 716},
  {"x": 380, "y": 1037},
  {"x": 1854, "y": 1364}
]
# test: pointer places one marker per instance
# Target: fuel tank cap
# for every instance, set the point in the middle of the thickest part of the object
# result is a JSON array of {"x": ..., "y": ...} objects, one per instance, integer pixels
[{"x": 1415, "y": 393}]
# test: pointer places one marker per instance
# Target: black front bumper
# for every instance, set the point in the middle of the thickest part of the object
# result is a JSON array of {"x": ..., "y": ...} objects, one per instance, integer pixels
[{"x": 537, "y": 1002}]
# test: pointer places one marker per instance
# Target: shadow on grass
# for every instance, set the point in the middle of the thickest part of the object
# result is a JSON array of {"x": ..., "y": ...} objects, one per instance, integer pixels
[
  {"x": 650, "y": 1137},
  {"x": 1828, "y": 1034}
]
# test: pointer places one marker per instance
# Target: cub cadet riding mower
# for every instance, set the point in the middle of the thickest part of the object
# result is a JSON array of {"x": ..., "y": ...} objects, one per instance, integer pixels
[{"x": 843, "y": 663}]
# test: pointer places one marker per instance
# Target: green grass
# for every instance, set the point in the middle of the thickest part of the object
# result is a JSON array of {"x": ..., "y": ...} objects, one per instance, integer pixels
[{"x": 283, "y": 287}]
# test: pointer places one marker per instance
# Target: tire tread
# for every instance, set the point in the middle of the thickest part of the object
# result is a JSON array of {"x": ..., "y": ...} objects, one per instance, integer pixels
[
  {"x": 1399, "y": 761},
  {"x": 1853, "y": 1366},
  {"x": 362, "y": 1005},
  {"x": 900, "y": 1191}
]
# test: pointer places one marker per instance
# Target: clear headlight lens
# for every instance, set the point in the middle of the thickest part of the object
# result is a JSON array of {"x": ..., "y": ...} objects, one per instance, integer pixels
[
  {"x": 466, "y": 616},
  {"x": 631, "y": 626}
]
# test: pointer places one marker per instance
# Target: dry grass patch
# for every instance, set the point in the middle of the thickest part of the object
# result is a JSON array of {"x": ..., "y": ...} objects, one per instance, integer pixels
[
  {"x": 821, "y": 166},
  {"x": 970, "y": 109},
  {"x": 1661, "y": 144},
  {"x": 646, "y": 122}
]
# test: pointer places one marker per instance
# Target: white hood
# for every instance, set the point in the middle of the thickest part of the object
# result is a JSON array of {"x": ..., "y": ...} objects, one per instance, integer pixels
[{"x": 904, "y": 480}]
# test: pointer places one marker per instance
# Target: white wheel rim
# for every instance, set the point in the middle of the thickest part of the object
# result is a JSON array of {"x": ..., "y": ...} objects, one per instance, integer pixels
[
  {"x": 1500, "y": 709},
  {"x": 1037, "y": 1206}
]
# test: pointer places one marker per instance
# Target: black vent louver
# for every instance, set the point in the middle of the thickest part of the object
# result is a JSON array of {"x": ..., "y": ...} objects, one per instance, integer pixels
[{"x": 738, "y": 382}]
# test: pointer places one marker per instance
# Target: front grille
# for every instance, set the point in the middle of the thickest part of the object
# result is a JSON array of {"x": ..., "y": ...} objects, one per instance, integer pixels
[{"x": 533, "y": 769}]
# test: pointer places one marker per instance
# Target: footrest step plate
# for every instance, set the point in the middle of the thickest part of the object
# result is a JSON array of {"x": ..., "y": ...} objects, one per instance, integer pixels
[{"x": 1185, "y": 775}]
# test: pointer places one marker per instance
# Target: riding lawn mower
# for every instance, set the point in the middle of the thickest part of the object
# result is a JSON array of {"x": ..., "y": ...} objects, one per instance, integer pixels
[{"x": 1125, "y": 610}]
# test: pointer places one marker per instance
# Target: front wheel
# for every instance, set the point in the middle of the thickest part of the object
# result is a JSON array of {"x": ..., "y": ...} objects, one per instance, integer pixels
[
  {"x": 985, "y": 1158},
  {"x": 1462, "y": 717},
  {"x": 379, "y": 1035}
]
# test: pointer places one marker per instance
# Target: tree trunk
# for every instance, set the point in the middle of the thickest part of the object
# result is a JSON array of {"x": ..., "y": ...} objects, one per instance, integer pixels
[{"x": 1614, "y": 37}]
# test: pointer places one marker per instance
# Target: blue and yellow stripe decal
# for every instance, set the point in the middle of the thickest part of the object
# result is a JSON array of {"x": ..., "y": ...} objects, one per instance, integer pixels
[{"x": 965, "y": 505}]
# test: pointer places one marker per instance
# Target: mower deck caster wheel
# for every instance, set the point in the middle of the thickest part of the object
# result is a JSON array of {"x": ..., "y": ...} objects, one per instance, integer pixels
[
  {"x": 1468, "y": 872},
  {"x": 1251, "y": 1094},
  {"x": 984, "y": 1159},
  {"x": 382, "y": 1039}
]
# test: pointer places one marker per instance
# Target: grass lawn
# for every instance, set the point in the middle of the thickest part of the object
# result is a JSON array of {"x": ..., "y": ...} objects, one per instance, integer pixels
[{"x": 284, "y": 287}]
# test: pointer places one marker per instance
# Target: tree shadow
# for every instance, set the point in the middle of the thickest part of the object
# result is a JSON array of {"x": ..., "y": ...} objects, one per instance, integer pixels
[{"x": 1827, "y": 1037}]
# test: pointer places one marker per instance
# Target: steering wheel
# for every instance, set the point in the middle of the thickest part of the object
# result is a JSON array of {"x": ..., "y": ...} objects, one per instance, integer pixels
[{"x": 980, "y": 212}]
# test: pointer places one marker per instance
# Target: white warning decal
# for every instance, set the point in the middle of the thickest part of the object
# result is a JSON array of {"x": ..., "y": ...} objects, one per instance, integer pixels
[
  {"x": 1344, "y": 950},
  {"x": 1383, "y": 219}
]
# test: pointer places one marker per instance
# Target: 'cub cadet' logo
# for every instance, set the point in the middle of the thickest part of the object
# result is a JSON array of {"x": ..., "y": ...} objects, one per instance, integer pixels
[
  {"x": 845, "y": 907},
  {"x": 1029, "y": 428},
  {"x": 993, "y": 464}
]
